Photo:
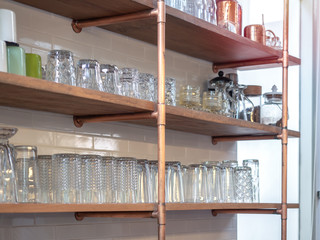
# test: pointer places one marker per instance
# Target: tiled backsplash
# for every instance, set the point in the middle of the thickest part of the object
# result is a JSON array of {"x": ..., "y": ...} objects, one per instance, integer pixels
[{"x": 39, "y": 32}]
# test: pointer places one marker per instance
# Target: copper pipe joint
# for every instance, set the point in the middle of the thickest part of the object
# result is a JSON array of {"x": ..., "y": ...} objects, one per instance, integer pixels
[{"x": 256, "y": 32}]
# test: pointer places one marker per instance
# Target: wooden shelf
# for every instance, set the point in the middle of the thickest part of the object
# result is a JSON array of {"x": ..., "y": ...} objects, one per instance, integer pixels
[
  {"x": 185, "y": 34},
  {"x": 139, "y": 207},
  {"x": 36, "y": 94}
]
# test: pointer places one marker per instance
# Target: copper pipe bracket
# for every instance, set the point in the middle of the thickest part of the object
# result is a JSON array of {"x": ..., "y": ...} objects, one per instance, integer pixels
[
  {"x": 215, "y": 140},
  {"x": 75, "y": 26}
]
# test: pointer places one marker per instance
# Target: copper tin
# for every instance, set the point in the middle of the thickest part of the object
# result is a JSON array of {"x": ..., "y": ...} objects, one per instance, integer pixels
[
  {"x": 256, "y": 32},
  {"x": 229, "y": 12}
]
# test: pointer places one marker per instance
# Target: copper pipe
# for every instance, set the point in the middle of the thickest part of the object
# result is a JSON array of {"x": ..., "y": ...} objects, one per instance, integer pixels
[
  {"x": 77, "y": 25},
  {"x": 80, "y": 120},
  {"x": 81, "y": 215},
  {"x": 244, "y": 211},
  {"x": 161, "y": 20},
  {"x": 284, "y": 134},
  {"x": 215, "y": 140},
  {"x": 255, "y": 62}
]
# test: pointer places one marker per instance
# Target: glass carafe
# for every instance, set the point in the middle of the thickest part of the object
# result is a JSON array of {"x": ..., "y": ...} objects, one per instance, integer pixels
[
  {"x": 219, "y": 86},
  {"x": 7, "y": 159},
  {"x": 241, "y": 106}
]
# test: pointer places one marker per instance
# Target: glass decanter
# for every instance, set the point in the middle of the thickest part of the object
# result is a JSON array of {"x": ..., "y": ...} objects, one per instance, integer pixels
[{"x": 7, "y": 159}]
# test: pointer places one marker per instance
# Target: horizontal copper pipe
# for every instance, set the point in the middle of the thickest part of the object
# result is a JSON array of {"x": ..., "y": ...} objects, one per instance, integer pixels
[
  {"x": 245, "y": 211},
  {"x": 77, "y": 25},
  {"x": 79, "y": 121},
  {"x": 81, "y": 215},
  {"x": 215, "y": 140},
  {"x": 216, "y": 67}
]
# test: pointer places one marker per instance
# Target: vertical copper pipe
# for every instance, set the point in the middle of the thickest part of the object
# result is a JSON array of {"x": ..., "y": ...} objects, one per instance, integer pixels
[
  {"x": 284, "y": 119},
  {"x": 161, "y": 119}
]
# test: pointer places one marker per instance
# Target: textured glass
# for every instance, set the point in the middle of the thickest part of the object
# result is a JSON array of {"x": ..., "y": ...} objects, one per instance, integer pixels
[
  {"x": 243, "y": 184},
  {"x": 88, "y": 74},
  {"x": 60, "y": 67},
  {"x": 66, "y": 170},
  {"x": 109, "y": 77},
  {"x": 27, "y": 174},
  {"x": 7, "y": 160},
  {"x": 128, "y": 83},
  {"x": 190, "y": 97},
  {"x": 44, "y": 163},
  {"x": 144, "y": 186},
  {"x": 254, "y": 165},
  {"x": 110, "y": 176},
  {"x": 170, "y": 91},
  {"x": 146, "y": 86},
  {"x": 153, "y": 166}
]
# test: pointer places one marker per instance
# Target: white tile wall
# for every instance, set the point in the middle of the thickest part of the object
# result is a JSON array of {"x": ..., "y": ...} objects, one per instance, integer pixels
[{"x": 39, "y": 32}]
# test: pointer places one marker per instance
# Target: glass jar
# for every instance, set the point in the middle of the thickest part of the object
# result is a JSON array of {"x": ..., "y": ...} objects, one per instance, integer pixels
[
  {"x": 253, "y": 93},
  {"x": 271, "y": 110},
  {"x": 190, "y": 97}
]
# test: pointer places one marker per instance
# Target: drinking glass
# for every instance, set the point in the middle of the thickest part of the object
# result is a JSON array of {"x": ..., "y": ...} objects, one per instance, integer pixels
[
  {"x": 92, "y": 175},
  {"x": 174, "y": 184},
  {"x": 170, "y": 91},
  {"x": 227, "y": 180},
  {"x": 109, "y": 76},
  {"x": 60, "y": 67},
  {"x": 27, "y": 174},
  {"x": 109, "y": 166},
  {"x": 127, "y": 180},
  {"x": 254, "y": 165},
  {"x": 44, "y": 163},
  {"x": 128, "y": 83},
  {"x": 144, "y": 186},
  {"x": 197, "y": 183},
  {"x": 8, "y": 186},
  {"x": 243, "y": 184},
  {"x": 184, "y": 173},
  {"x": 214, "y": 186},
  {"x": 190, "y": 97},
  {"x": 66, "y": 181},
  {"x": 146, "y": 86},
  {"x": 153, "y": 166},
  {"x": 88, "y": 74}
]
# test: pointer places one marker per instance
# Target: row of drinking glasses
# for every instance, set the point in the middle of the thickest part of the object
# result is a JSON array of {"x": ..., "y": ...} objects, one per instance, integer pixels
[
  {"x": 204, "y": 9},
  {"x": 90, "y": 74},
  {"x": 224, "y": 99},
  {"x": 73, "y": 178}
]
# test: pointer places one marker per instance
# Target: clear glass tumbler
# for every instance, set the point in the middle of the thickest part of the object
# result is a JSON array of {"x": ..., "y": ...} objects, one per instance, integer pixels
[
  {"x": 153, "y": 166},
  {"x": 109, "y": 76},
  {"x": 60, "y": 67},
  {"x": 44, "y": 163},
  {"x": 88, "y": 74},
  {"x": 243, "y": 184},
  {"x": 174, "y": 184},
  {"x": 214, "y": 177},
  {"x": 144, "y": 186},
  {"x": 110, "y": 169},
  {"x": 93, "y": 179},
  {"x": 197, "y": 184},
  {"x": 27, "y": 174},
  {"x": 127, "y": 180},
  {"x": 128, "y": 83},
  {"x": 254, "y": 165},
  {"x": 66, "y": 178},
  {"x": 146, "y": 86},
  {"x": 190, "y": 97},
  {"x": 227, "y": 180},
  {"x": 8, "y": 186}
]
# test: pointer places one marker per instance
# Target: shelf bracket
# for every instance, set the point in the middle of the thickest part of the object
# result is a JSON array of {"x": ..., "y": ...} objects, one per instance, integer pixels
[
  {"x": 81, "y": 215},
  {"x": 254, "y": 62},
  {"x": 80, "y": 120},
  {"x": 245, "y": 211},
  {"x": 77, "y": 25},
  {"x": 215, "y": 140}
]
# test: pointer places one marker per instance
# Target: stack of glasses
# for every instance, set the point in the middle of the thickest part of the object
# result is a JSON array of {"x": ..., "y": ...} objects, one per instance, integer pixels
[
  {"x": 73, "y": 178},
  {"x": 90, "y": 74}
]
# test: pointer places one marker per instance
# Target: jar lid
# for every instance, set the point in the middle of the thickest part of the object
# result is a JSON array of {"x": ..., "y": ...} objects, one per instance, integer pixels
[
  {"x": 220, "y": 78},
  {"x": 253, "y": 90},
  {"x": 273, "y": 96}
]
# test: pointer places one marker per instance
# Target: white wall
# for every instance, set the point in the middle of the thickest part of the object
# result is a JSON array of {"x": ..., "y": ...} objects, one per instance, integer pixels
[{"x": 39, "y": 32}]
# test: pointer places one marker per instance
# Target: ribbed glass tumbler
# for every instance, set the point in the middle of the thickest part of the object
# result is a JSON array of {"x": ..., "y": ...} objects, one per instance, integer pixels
[
  {"x": 110, "y": 174},
  {"x": 66, "y": 181},
  {"x": 44, "y": 163},
  {"x": 243, "y": 184},
  {"x": 153, "y": 166},
  {"x": 144, "y": 186}
]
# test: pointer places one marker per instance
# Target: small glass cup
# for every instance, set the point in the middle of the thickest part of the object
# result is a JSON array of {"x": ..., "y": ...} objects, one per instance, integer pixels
[
  {"x": 109, "y": 77},
  {"x": 66, "y": 181},
  {"x": 190, "y": 97},
  {"x": 60, "y": 67},
  {"x": 27, "y": 174},
  {"x": 243, "y": 184},
  {"x": 44, "y": 163},
  {"x": 146, "y": 86},
  {"x": 128, "y": 83},
  {"x": 88, "y": 74}
]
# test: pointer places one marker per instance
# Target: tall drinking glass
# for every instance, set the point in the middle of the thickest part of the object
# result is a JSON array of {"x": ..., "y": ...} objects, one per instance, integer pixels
[
  {"x": 254, "y": 165},
  {"x": 110, "y": 167},
  {"x": 243, "y": 184},
  {"x": 44, "y": 163},
  {"x": 144, "y": 186},
  {"x": 174, "y": 184},
  {"x": 197, "y": 183},
  {"x": 214, "y": 177},
  {"x": 227, "y": 180},
  {"x": 153, "y": 166}
]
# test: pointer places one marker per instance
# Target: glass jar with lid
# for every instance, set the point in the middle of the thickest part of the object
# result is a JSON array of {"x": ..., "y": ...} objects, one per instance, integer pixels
[{"x": 271, "y": 110}]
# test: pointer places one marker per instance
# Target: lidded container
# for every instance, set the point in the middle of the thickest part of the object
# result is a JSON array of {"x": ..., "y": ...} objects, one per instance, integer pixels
[
  {"x": 253, "y": 93},
  {"x": 271, "y": 110}
]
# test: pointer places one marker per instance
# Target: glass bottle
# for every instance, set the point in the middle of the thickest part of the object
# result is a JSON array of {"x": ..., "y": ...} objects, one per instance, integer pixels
[{"x": 271, "y": 110}]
